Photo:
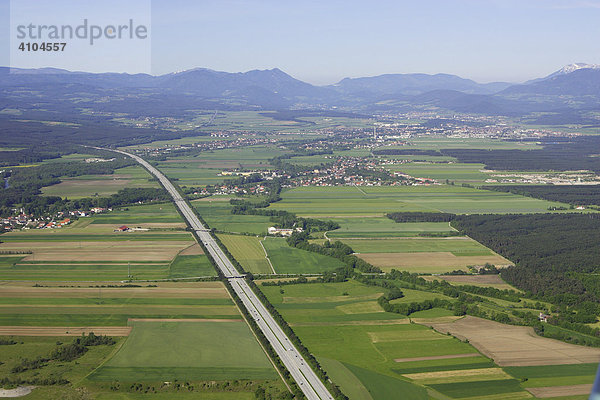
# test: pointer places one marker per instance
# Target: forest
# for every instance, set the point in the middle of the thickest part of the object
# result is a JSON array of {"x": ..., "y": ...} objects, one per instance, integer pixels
[
  {"x": 420, "y": 217},
  {"x": 550, "y": 251},
  {"x": 568, "y": 154},
  {"x": 575, "y": 195}
]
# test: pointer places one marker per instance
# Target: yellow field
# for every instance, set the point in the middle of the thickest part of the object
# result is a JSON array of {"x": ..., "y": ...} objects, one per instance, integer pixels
[
  {"x": 510, "y": 345},
  {"x": 475, "y": 280},
  {"x": 429, "y": 262},
  {"x": 248, "y": 251},
  {"x": 125, "y": 250}
]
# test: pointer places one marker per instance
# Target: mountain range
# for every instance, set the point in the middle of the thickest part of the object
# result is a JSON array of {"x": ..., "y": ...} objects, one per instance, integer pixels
[{"x": 573, "y": 90}]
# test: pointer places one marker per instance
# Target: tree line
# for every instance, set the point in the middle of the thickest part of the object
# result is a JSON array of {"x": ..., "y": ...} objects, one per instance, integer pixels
[{"x": 571, "y": 194}]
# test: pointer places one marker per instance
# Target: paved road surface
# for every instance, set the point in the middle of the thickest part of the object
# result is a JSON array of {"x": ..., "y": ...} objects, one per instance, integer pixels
[{"x": 303, "y": 374}]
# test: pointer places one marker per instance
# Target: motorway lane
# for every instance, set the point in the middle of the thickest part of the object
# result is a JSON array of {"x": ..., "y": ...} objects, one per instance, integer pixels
[{"x": 305, "y": 377}]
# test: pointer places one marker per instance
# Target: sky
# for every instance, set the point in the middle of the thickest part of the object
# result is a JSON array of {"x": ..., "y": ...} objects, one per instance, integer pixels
[{"x": 322, "y": 42}]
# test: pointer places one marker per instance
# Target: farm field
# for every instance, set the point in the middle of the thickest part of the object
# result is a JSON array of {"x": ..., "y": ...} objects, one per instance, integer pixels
[
  {"x": 100, "y": 185},
  {"x": 456, "y": 172},
  {"x": 376, "y": 201},
  {"x": 290, "y": 260},
  {"x": 475, "y": 280},
  {"x": 437, "y": 143},
  {"x": 216, "y": 211},
  {"x": 187, "y": 352},
  {"x": 90, "y": 250},
  {"x": 263, "y": 121},
  {"x": 376, "y": 355},
  {"x": 517, "y": 346},
  {"x": 22, "y": 304},
  {"x": 141, "y": 214},
  {"x": 29, "y": 347},
  {"x": 456, "y": 245},
  {"x": 248, "y": 251},
  {"x": 206, "y": 168},
  {"x": 424, "y": 255},
  {"x": 170, "y": 329},
  {"x": 377, "y": 227}
]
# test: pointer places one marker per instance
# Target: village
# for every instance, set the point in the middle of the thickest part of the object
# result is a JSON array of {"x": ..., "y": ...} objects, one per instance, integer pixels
[{"x": 21, "y": 220}]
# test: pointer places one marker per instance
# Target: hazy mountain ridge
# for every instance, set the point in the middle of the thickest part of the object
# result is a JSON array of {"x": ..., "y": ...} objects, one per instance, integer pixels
[{"x": 573, "y": 88}]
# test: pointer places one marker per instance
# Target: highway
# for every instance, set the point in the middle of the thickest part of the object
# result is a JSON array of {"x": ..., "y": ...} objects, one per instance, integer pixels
[{"x": 305, "y": 377}]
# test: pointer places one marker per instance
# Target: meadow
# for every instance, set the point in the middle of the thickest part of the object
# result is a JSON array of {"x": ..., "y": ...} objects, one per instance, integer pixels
[
  {"x": 32, "y": 347},
  {"x": 456, "y": 172},
  {"x": 382, "y": 227},
  {"x": 290, "y": 260},
  {"x": 170, "y": 328},
  {"x": 216, "y": 211},
  {"x": 376, "y": 355},
  {"x": 140, "y": 215},
  {"x": 376, "y": 201},
  {"x": 188, "y": 351},
  {"x": 424, "y": 255},
  {"x": 100, "y": 185},
  {"x": 248, "y": 251},
  {"x": 437, "y": 143},
  {"x": 22, "y": 304},
  {"x": 90, "y": 250},
  {"x": 206, "y": 167},
  {"x": 263, "y": 121},
  {"x": 455, "y": 245}
]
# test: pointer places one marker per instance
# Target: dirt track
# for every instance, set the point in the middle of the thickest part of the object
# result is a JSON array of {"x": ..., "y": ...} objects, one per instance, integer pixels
[
  {"x": 63, "y": 331},
  {"x": 511, "y": 345}
]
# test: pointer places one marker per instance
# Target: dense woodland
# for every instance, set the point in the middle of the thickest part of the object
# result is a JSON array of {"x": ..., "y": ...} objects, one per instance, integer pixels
[
  {"x": 420, "y": 217},
  {"x": 24, "y": 190},
  {"x": 566, "y": 154},
  {"x": 405, "y": 152},
  {"x": 558, "y": 154},
  {"x": 571, "y": 194},
  {"x": 24, "y": 184},
  {"x": 550, "y": 252}
]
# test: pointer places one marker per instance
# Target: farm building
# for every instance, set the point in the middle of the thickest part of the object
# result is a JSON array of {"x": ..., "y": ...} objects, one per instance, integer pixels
[{"x": 283, "y": 232}]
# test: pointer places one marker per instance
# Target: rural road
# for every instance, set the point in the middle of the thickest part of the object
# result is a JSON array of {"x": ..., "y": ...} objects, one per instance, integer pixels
[{"x": 305, "y": 377}]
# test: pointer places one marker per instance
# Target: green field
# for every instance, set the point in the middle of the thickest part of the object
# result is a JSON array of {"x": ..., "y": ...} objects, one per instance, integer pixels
[
  {"x": 13, "y": 268},
  {"x": 99, "y": 185},
  {"x": 459, "y": 246},
  {"x": 437, "y": 143},
  {"x": 376, "y": 201},
  {"x": 459, "y": 390},
  {"x": 191, "y": 266},
  {"x": 289, "y": 260},
  {"x": 22, "y": 304},
  {"x": 206, "y": 167},
  {"x": 247, "y": 250},
  {"x": 216, "y": 211},
  {"x": 150, "y": 213},
  {"x": 89, "y": 249},
  {"x": 188, "y": 351},
  {"x": 467, "y": 173},
  {"x": 32, "y": 347},
  {"x": 555, "y": 375},
  {"x": 357, "y": 343},
  {"x": 261, "y": 121},
  {"x": 377, "y": 227},
  {"x": 418, "y": 296}
]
